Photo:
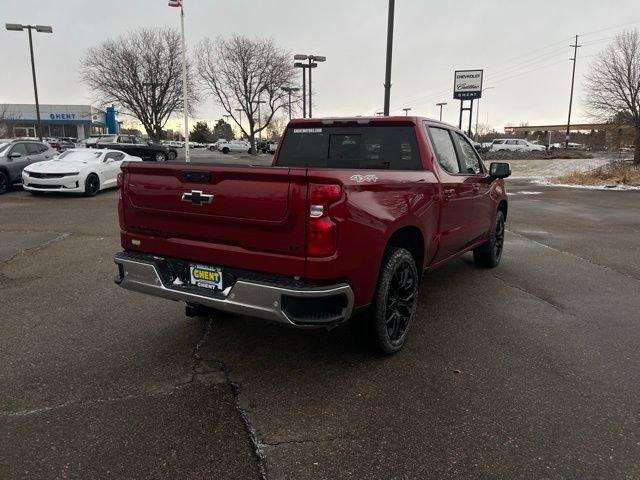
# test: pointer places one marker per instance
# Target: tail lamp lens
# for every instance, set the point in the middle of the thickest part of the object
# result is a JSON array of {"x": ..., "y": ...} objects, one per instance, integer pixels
[{"x": 321, "y": 233}]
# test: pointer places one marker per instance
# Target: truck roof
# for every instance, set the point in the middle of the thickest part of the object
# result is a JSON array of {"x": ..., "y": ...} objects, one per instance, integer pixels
[{"x": 366, "y": 120}]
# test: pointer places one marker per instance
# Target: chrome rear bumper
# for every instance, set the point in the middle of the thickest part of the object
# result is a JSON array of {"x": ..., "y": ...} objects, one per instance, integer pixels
[{"x": 244, "y": 297}]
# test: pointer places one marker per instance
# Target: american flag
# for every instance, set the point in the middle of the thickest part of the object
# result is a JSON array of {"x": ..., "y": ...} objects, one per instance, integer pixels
[{"x": 175, "y": 3}]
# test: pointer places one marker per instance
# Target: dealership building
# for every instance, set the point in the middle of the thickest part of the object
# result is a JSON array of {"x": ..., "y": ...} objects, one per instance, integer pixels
[{"x": 77, "y": 121}]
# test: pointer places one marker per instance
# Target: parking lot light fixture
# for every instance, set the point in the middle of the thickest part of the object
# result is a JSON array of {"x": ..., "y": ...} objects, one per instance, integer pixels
[
  {"x": 312, "y": 62},
  {"x": 406, "y": 111},
  {"x": 16, "y": 27},
  {"x": 289, "y": 90}
]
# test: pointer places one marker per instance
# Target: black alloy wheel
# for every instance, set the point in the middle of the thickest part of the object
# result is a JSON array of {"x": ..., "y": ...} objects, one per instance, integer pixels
[
  {"x": 489, "y": 254},
  {"x": 91, "y": 185},
  {"x": 386, "y": 324}
]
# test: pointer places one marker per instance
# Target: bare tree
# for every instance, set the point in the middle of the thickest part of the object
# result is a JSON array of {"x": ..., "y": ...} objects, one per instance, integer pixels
[
  {"x": 613, "y": 85},
  {"x": 142, "y": 72},
  {"x": 240, "y": 73},
  {"x": 5, "y": 128}
]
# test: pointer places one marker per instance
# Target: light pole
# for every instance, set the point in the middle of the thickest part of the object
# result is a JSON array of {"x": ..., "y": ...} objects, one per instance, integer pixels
[
  {"x": 406, "y": 111},
  {"x": 312, "y": 62},
  {"x": 387, "y": 75},
  {"x": 289, "y": 90},
  {"x": 478, "y": 109},
  {"x": 16, "y": 27},
  {"x": 239, "y": 110},
  {"x": 441, "y": 104}
]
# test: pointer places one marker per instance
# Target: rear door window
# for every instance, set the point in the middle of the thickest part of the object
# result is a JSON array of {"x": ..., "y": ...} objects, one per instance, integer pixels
[
  {"x": 444, "y": 149},
  {"x": 374, "y": 147},
  {"x": 33, "y": 149}
]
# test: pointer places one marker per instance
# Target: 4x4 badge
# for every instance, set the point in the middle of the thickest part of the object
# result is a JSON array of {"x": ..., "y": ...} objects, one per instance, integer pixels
[{"x": 197, "y": 197}]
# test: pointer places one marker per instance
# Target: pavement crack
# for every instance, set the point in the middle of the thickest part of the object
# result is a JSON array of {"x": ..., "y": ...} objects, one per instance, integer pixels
[
  {"x": 199, "y": 367},
  {"x": 84, "y": 403},
  {"x": 307, "y": 440},
  {"x": 531, "y": 294}
]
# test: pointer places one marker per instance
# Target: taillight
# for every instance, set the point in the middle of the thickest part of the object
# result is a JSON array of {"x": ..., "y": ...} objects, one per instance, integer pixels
[{"x": 321, "y": 232}]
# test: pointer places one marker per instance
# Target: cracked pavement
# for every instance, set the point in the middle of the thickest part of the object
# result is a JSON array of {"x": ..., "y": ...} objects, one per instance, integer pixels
[{"x": 530, "y": 370}]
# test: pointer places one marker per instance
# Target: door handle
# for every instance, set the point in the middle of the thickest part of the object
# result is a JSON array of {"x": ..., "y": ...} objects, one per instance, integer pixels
[
  {"x": 448, "y": 192},
  {"x": 476, "y": 187}
]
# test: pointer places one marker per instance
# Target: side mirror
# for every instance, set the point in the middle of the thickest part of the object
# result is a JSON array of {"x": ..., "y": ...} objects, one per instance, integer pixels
[
  {"x": 15, "y": 155},
  {"x": 499, "y": 170}
]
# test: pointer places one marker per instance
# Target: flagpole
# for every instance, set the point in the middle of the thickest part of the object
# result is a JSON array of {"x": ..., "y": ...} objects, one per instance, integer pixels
[{"x": 184, "y": 88}]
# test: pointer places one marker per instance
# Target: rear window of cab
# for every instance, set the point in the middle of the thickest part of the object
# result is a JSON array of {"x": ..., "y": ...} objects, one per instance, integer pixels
[{"x": 375, "y": 147}]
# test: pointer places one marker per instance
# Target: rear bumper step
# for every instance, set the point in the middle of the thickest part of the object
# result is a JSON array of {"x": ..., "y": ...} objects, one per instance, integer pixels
[{"x": 298, "y": 306}]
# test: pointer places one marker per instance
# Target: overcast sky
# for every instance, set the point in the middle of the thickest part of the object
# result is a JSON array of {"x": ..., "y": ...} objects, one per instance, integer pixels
[{"x": 523, "y": 48}]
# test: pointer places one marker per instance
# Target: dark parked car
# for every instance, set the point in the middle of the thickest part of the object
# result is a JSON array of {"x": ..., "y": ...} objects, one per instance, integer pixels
[
  {"x": 15, "y": 155},
  {"x": 133, "y": 146}
]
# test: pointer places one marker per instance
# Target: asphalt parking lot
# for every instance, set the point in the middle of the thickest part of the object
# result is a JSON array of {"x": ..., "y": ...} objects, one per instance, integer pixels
[{"x": 531, "y": 370}]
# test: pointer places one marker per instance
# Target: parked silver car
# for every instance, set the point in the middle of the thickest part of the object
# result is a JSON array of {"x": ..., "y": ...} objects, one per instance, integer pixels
[{"x": 17, "y": 154}]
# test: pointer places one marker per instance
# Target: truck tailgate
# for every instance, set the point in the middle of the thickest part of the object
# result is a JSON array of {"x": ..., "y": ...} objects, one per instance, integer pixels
[{"x": 254, "y": 217}]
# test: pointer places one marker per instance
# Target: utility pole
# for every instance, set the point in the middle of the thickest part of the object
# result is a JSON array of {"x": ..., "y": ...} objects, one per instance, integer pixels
[
  {"x": 406, "y": 111},
  {"x": 573, "y": 76},
  {"x": 387, "y": 76},
  {"x": 441, "y": 104},
  {"x": 187, "y": 157}
]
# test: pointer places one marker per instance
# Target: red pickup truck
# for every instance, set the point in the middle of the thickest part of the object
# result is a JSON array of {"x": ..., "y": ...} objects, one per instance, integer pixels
[{"x": 342, "y": 225}]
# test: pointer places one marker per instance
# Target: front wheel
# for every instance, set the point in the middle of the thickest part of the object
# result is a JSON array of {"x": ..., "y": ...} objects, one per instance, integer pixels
[
  {"x": 394, "y": 305},
  {"x": 91, "y": 185},
  {"x": 160, "y": 157},
  {"x": 4, "y": 183},
  {"x": 225, "y": 150},
  {"x": 488, "y": 255},
  {"x": 172, "y": 155}
]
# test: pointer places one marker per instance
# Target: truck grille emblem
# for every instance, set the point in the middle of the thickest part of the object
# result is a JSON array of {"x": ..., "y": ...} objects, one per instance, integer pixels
[{"x": 197, "y": 197}]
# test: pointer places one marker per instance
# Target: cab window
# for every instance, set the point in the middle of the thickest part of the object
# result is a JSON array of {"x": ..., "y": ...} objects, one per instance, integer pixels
[
  {"x": 444, "y": 149},
  {"x": 470, "y": 160}
]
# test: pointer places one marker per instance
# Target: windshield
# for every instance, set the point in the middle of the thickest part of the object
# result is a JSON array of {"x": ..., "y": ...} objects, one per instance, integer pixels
[
  {"x": 383, "y": 147},
  {"x": 79, "y": 155},
  {"x": 3, "y": 148}
]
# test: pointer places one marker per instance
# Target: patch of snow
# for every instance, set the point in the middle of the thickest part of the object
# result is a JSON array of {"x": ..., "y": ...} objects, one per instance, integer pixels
[
  {"x": 525, "y": 192},
  {"x": 546, "y": 183}
]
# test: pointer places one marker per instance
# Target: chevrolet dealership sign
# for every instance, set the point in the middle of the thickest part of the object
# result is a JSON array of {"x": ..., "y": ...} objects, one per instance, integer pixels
[{"x": 467, "y": 84}]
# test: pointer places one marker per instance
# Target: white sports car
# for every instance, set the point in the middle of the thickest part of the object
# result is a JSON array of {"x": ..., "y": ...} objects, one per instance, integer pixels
[{"x": 79, "y": 170}]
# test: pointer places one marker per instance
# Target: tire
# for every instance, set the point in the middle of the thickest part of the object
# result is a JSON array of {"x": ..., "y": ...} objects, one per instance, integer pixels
[
  {"x": 225, "y": 150},
  {"x": 172, "y": 155},
  {"x": 4, "y": 183},
  {"x": 488, "y": 255},
  {"x": 91, "y": 185},
  {"x": 160, "y": 157},
  {"x": 386, "y": 325}
]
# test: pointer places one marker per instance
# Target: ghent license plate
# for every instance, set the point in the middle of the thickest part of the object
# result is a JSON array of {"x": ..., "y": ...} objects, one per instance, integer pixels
[{"x": 206, "y": 277}]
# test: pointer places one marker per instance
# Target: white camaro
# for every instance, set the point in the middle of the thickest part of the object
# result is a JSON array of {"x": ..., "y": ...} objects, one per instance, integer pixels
[{"x": 79, "y": 170}]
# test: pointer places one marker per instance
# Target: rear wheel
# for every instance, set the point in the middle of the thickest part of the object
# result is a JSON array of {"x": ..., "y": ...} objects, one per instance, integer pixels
[
  {"x": 386, "y": 325},
  {"x": 160, "y": 157},
  {"x": 4, "y": 183},
  {"x": 172, "y": 155},
  {"x": 91, "y": 185},
  {"x": 225, "y": 150},
  {"x": 488, "y": 255}
]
